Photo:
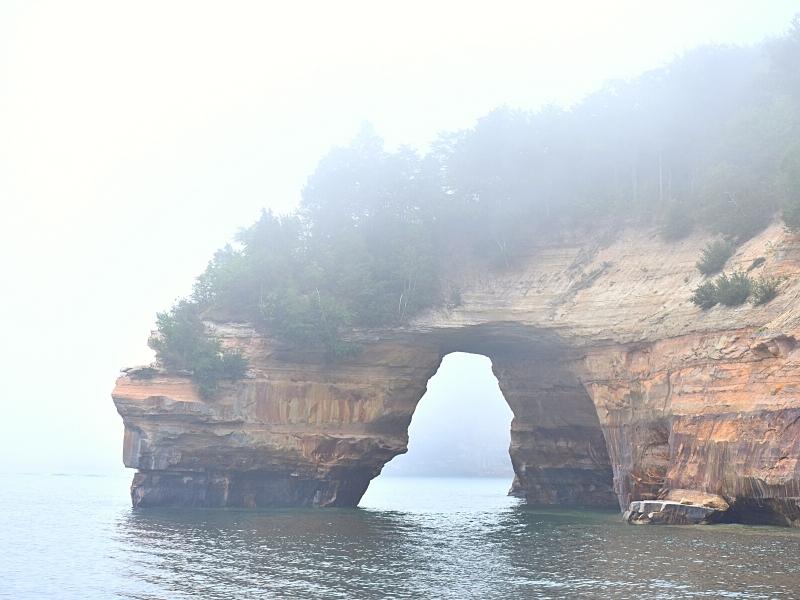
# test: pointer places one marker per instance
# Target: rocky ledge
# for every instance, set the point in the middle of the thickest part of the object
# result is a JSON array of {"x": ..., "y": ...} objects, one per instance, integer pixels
[
  {"x": 688, "y": 508},
  {"x": 622, "y": 390}
]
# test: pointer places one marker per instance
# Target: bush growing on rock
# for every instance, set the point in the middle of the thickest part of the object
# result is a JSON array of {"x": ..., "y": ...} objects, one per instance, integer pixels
[
  {"x": 705, "y": 295},
  {"x": 211, "y": 365},
  {"x": 728, "y": 290},
  {"x": 714, "y": 256},
  {"x": 183, "y": 344},
  {"x": 733, "y": 290},
  {"x": 765, "y": 289}
]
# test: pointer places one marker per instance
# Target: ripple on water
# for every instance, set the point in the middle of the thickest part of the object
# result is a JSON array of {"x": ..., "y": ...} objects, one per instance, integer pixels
[{"x": 76, "y": 537}]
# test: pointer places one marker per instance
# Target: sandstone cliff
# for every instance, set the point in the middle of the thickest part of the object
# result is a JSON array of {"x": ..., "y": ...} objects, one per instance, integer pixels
[{"x": 622, "y": 390}]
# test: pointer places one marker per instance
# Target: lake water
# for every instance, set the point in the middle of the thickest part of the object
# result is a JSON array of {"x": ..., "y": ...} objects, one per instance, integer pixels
[{"x": 76, "y": 537}]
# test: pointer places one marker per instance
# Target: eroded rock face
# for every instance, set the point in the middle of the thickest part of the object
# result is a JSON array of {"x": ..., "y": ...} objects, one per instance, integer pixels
[{"x": 622, "y": 390}]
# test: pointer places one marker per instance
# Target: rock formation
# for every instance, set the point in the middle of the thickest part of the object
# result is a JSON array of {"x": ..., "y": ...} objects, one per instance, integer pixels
[{"x": 622, "y": 390}]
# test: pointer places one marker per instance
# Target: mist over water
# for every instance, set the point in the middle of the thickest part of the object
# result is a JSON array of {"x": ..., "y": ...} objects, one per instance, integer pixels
[
  {"x": 74, "y": 537},
  {"x": 461, "y": 426},
  {"x": 139, "y": 137}
]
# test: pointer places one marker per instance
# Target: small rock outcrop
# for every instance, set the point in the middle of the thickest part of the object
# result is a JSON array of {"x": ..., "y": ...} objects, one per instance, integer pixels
[
  {"x": 622, "y": 390},
  {"x": 663, "y": 512}
]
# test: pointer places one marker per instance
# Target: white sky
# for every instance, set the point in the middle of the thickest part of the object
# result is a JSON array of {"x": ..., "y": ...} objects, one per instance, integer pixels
[{"x": 136, "y": 137}]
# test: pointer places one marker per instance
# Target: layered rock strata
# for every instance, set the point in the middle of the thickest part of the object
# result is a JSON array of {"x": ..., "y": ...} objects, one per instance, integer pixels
[{"x": 622, "y": 390}]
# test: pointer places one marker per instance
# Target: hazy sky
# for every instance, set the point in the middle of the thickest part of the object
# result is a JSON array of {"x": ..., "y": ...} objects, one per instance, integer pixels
[
  {"x": 462, "y": 425},
  {"x": 136, "y": 137}
]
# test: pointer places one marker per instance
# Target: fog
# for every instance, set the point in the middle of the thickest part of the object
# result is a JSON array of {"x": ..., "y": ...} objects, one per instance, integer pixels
[
  {"x": 136, "y": 138},
  {"x": 462, "y": 425}
]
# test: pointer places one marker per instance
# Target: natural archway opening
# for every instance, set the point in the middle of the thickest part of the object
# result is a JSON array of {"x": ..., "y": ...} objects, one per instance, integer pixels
[{"x": 460, "y": 430}]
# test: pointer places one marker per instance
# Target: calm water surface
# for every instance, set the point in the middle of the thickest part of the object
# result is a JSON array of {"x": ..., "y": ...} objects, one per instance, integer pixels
[{"x": 76, "y": 537}]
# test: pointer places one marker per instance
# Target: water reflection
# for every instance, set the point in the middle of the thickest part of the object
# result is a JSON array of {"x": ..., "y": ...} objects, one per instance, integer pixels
[
  {"x": 309, "y": 553},
  {"x": 556, "y": 554},
  {"x": 76, "y": 538},
  {"x": 492, "y": 552}
]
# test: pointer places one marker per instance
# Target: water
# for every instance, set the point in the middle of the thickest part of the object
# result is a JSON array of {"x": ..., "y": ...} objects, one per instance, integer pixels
[{"x": 75, "y": 537}]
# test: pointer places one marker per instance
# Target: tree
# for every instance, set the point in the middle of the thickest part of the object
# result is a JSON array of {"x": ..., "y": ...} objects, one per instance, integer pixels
[
  {"x": 709, "y": 141},
  {"x": 182, "y": 344}
]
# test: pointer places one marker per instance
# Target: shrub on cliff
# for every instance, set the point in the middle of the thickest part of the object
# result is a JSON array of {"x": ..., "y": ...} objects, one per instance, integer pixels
[
  {"x": 211, "y": 365},
  {"x": 714, "y": 256},
  {"x": 729, "y": 290},
  {"x": 705, "y": 295},
  {"x": 183, "y": 344},
  {"x": 732, "y": 290},
  {"x": 765, "y": 289}
]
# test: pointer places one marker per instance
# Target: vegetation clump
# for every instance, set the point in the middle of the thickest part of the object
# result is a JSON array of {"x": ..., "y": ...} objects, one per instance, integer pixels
[
  {"x": 182, "y": 344},
  {"x": 705, "y": 295},
  {"x": 714, "y": 256},
  {"x": 734, "y": 289},
  {"x": 728, "y": 290},
  {"x": 711, "y": 136},
  {"x": 765, "y": 289}
]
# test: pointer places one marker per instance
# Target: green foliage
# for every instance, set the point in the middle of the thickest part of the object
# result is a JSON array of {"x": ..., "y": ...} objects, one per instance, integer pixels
[
  {"x": 183, "y": 344},
  {"x": 179, "y": 332},
  {"x": 764, "y": 289},
  {"x": 359, "y": 253},
  {"x": 705, "y": 295},
  {"x": 733, "y": 290},
  {"x": 728, "y": 290},
  {"x": 234, "y": 365},
  {"x": 211, "y": 365},
  {"x": 714, "y": 256},
  {"x": 709, "y": 141},
  {"x": 310, "y": 320}
]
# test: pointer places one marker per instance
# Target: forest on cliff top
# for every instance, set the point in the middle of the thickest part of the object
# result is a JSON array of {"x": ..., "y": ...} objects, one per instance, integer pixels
[{"x": 710, "y": 141}]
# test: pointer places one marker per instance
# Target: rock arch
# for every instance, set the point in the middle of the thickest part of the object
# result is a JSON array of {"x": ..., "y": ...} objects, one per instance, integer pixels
[
  {"x": 298, "y": 432},
  {"x": 612, "y": 374}
]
